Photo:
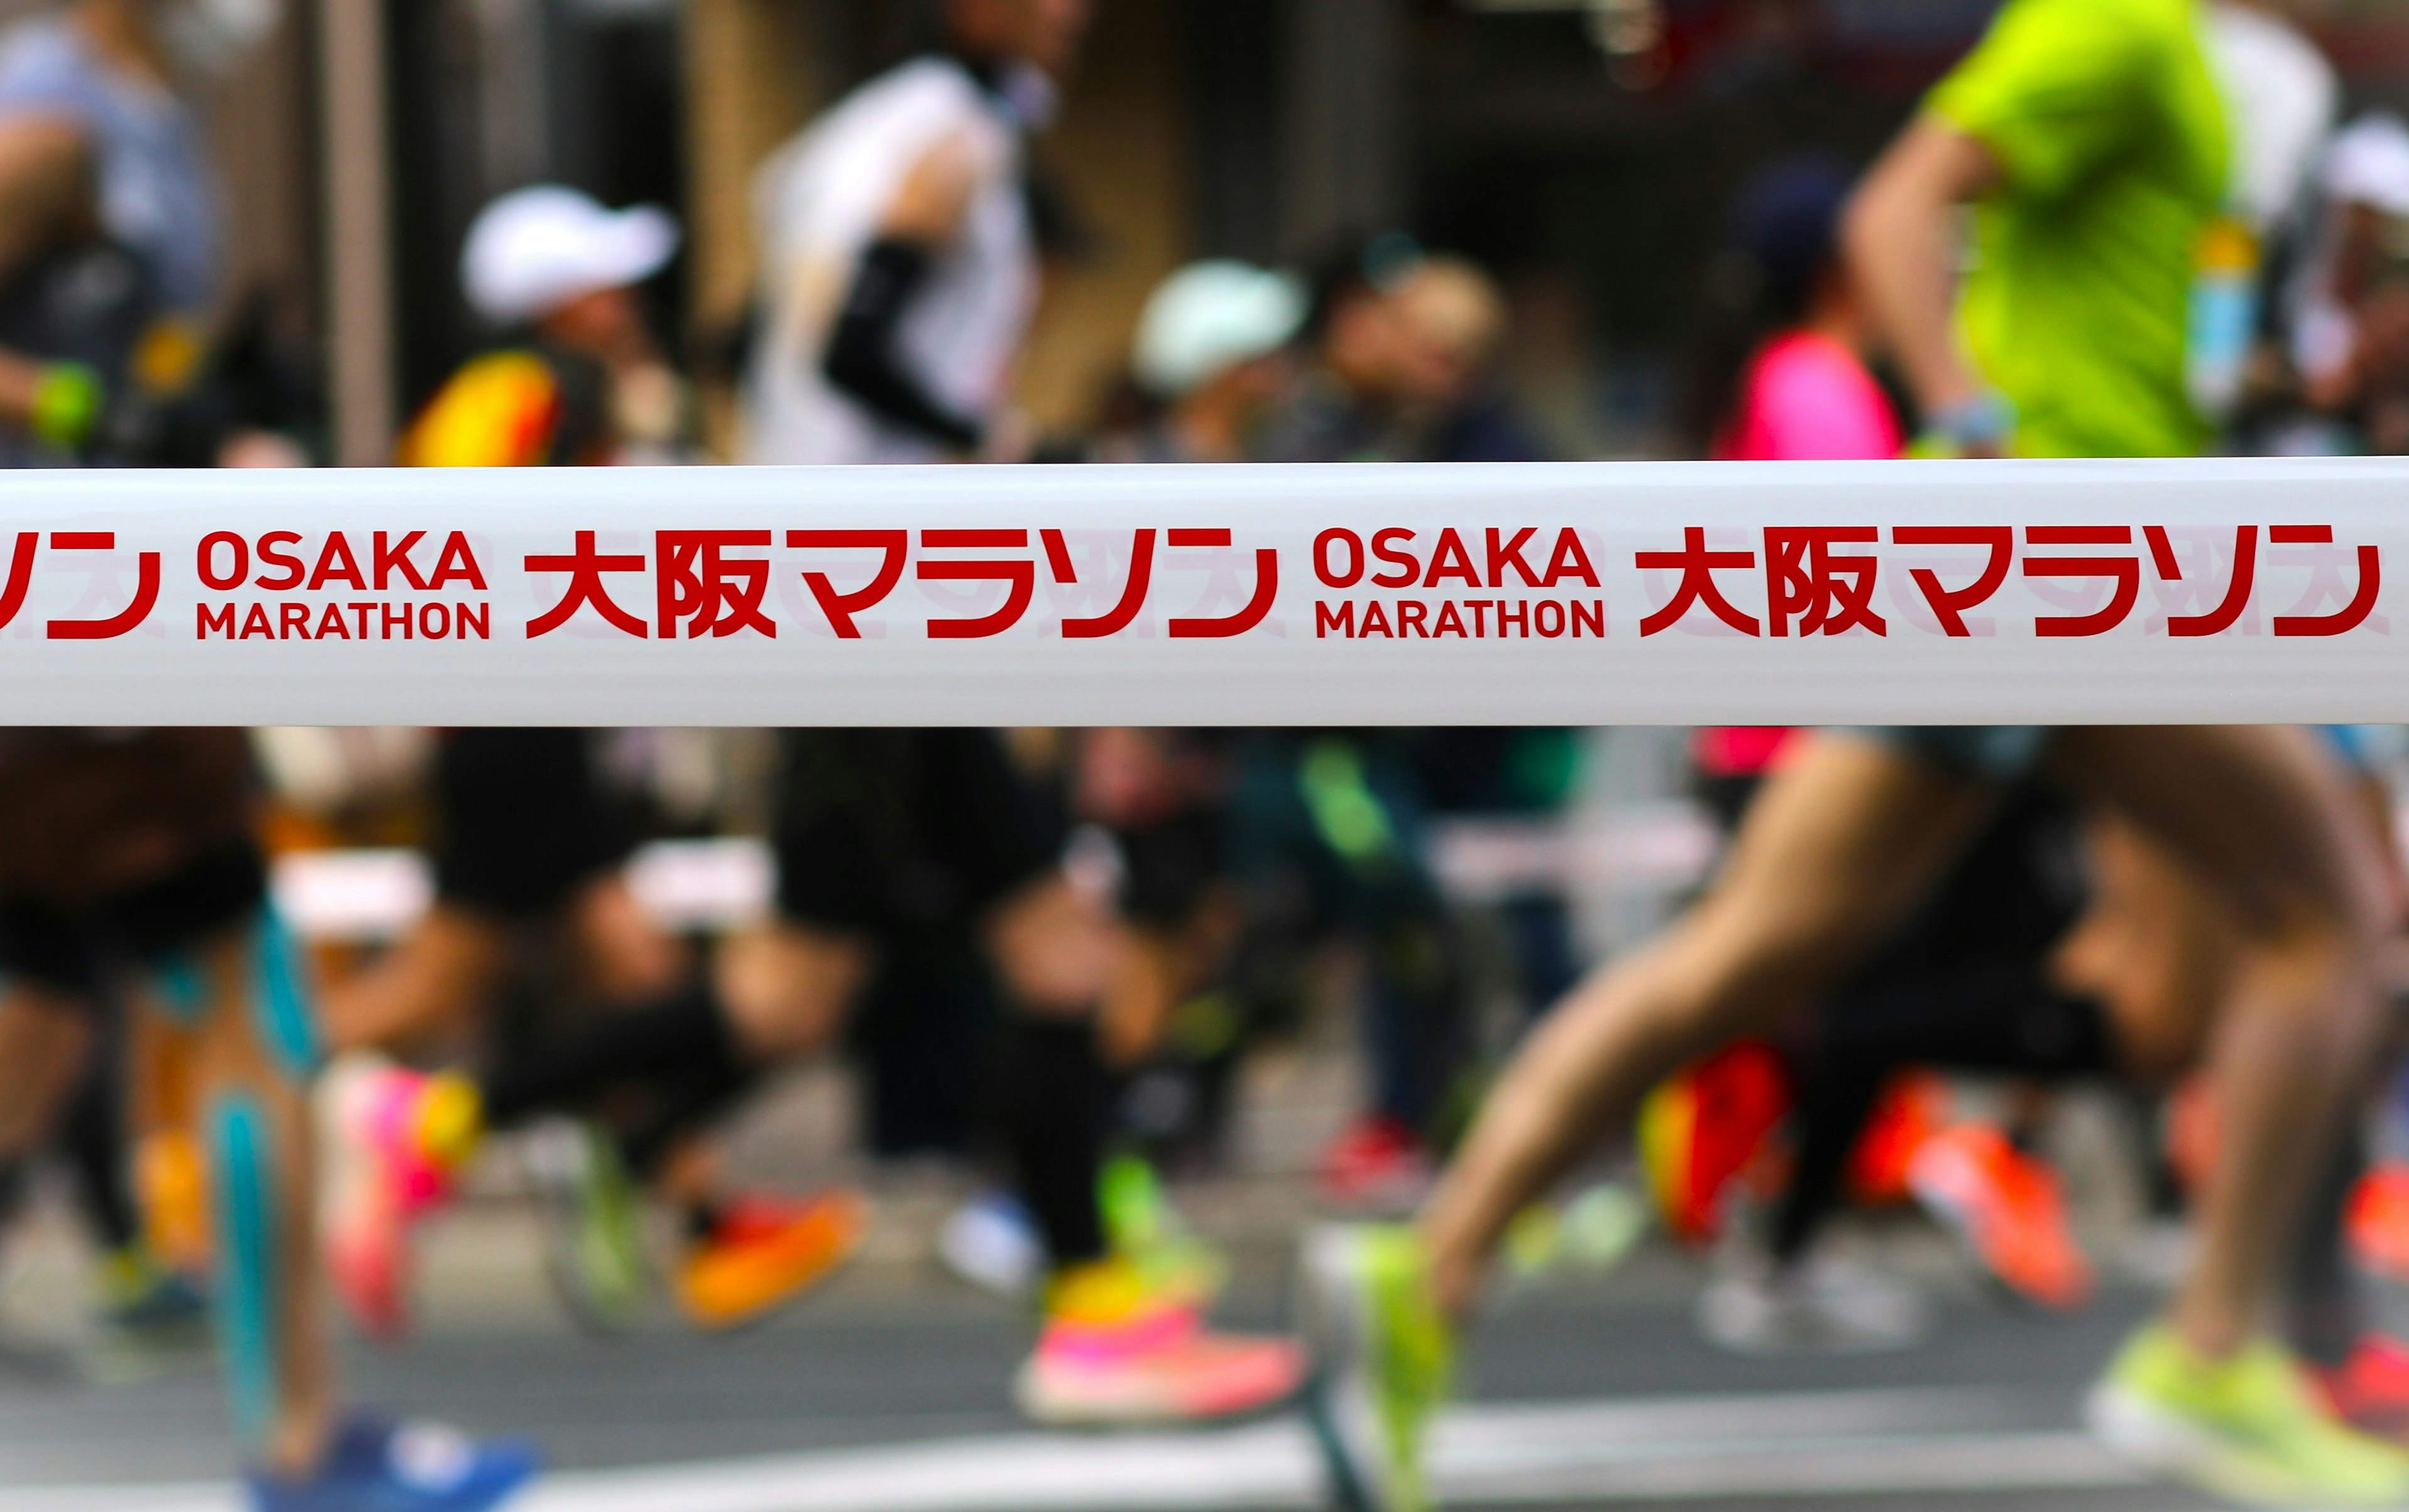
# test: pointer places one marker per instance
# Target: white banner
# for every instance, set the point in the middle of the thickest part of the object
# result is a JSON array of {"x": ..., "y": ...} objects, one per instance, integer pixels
[{"x": 2023, "y": 592}]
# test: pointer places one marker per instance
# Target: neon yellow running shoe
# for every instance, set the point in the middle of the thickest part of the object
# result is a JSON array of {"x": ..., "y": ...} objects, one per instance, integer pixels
[
  {"x": 1142, "y": 1223},
  {"x": 1385, "y": 1355},
  {"x": 2248, "y": 1429}
]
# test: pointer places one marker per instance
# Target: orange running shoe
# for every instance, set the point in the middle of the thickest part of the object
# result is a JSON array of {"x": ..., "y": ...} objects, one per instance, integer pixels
[
  {"x": 1114, "y": 1354},
  {"x": 1707, "y": 1125},
  {"x": 2377, "y": 1221},
  {"x": 2370, "y": 1391},
  {"x": 2007, "y": 1208},
  {"x": 763, "y": 1254}
]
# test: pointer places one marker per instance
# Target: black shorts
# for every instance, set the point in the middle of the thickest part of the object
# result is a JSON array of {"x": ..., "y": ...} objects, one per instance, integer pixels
[
  {"x": 1170, "y": 865},
  {"x": 79, "y": 952},
  {"x": 524, "y": 824},
  {"x": 895, "y": 833}
]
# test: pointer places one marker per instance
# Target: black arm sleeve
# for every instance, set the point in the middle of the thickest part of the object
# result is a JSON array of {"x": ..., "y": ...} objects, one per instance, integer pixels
[{"x": 862, "y": 360}]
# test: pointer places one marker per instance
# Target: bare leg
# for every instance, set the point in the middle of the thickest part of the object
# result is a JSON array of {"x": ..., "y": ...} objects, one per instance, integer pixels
[
  {"x": 789, "y": 985},
  {"x": 621, "y": 954},
  {"x": 43, "y": 1042},
  {"x": 2157, "y": 948},
  {"x": 438, "y": 973},
  {"x": 1838, "y": 849},
  {"x": 2261, "y": 815},
  {"x": 238, "y": 1068},
  {"x": 1055, "y": 950}
]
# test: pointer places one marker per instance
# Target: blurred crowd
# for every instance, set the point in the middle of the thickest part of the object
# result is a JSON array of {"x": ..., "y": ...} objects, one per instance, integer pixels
[{"x": 1048, "y": 955}]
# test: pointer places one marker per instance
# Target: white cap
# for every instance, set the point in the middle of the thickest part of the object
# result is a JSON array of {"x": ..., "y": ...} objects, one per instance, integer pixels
[
  {"x": 532, "y": 251},
  {"x": 1208, "y": 317},
  {"x": 2369, "y": 164}
]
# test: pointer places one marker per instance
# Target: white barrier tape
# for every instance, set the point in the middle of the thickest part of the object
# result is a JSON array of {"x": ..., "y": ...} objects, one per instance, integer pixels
[{"x": 1581, "y": 594}]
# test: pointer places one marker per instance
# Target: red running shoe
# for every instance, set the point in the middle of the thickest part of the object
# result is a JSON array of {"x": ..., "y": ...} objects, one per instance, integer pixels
[
  {"x": 1706, "y": 1126},
  {"x": 1376, "y": 1165},
  {"x": 2377, "y": 1222},
  {"x": 2370, "y": 1391}
]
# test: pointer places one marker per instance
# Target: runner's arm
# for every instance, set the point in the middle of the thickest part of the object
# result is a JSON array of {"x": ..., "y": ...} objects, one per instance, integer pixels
[
  {"x": 1901, "y": 241},
  {"x": 46, "y": 186},
  {"x": 865, "y": 357}
]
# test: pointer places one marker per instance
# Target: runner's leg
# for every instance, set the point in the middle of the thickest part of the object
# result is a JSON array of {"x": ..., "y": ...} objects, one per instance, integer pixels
[
  {"x": 1838, "y": 849},
  {"x": 253, "y": 1054},
  {"x": 2264, "y": 817},
  {"x": 45, "y": 1041}
]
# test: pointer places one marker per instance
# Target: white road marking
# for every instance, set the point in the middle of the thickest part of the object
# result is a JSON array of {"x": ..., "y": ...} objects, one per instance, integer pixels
[{"x": 1697, "y": 1448}]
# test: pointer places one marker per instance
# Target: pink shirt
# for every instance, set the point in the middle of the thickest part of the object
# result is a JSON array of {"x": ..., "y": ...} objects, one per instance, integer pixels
[{"x": 1805, "y": 398}]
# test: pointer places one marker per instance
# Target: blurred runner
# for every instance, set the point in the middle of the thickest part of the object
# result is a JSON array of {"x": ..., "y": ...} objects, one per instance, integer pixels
[
  {"x": 112, "y": 250},
  {"x": 2348, "y": 306},
  {"x": 576, "y": 378},
  {"x": 901, "y": 277},
  {"x": 1212, "y": 353},
  {"x": 1212, "y": 357},
  {"x": 900, "y": 255},
  {"x": 2093, "y": 138},
  {"x": 130, "y": 873},
  {"x": 531, "y": 848},
  {"x": 1400, "y": 344}
]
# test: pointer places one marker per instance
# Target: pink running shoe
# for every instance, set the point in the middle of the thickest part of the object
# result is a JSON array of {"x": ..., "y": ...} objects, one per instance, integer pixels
[
  {"x": 398, "y": 1135},
  {"x": 1154, "y": 1365}
]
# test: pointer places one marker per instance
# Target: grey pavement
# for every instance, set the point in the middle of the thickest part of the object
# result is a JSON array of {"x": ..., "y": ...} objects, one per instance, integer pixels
[
  {"x": 887, "y": 1392},
  {"x": 1598, "y": 1393}
]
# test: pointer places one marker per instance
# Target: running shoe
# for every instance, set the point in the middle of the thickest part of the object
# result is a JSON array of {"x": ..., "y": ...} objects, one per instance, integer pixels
[
  {"x": 593, "y": 1238},
  {"x": 763, "y": 1254},
  {"x": 397, "y": 1138},
  {"x": 1385, "y": 1356},
  {"x": 1592, "y": 1233},
  {"x": 138, "y": 1296},
  {"x": 1144, "y": 1224},
  {"x": 1704, "y": 1128},
  {"x": 1821, "y": 1305},
  {"x": 2249, "y": 1429},
  {"x": 1911, "y": 1110},
  {"x": 2370, "y": 1391},
  {"x": 378, "y": 1466},
  {"x": 991, "y": 1241},
  {"x": 1113, "y": 1353},
  {"x": 1376, "y": 1165},
  {"x": 2377, "y": 1220},
  {"x": 2007, "y": 1208}
]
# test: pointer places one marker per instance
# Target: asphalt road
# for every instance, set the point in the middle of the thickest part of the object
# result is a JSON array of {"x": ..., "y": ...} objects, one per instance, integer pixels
[{"x": 887, "y": 1395}]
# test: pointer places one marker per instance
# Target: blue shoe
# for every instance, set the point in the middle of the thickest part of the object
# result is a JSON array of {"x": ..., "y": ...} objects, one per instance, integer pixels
[
  {"x": 377, "y": 1466},
  {"x": 140, "y": 1296}
]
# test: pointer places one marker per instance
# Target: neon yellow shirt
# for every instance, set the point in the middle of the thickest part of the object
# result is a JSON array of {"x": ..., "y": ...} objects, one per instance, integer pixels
[{"x": 2112, "y": 136}]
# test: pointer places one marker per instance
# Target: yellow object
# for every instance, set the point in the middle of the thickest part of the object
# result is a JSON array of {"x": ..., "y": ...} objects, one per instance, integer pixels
[
  {"x": 167, "y": 355},
  {"x": 498, "y": 411},
  {"x": 449, "y": 1120},
  {"x": 171, "y": 1189},
  {"x": 2229, "y": 246},
  {"x": 1107, "y": 1290}
]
